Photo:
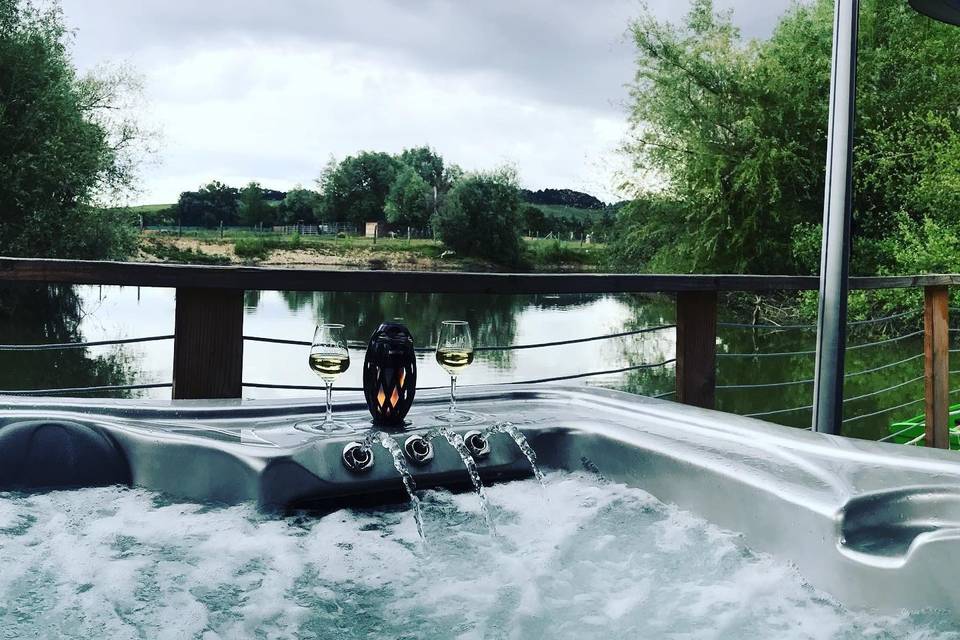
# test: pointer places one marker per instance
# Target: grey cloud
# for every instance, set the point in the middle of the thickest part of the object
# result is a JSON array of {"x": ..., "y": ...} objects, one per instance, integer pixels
[
  {"x": 571, "y": 52},
  {"x": 565, "y": 61}
]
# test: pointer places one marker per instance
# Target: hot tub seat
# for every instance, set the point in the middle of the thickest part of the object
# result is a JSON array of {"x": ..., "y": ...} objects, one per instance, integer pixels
[{"x": 58, "y": 454}]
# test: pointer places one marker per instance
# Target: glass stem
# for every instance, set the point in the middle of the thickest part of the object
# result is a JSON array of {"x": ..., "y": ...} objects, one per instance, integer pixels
[
  {"x": 453, "y": 394},
  {"x": 329, "y": 418}
]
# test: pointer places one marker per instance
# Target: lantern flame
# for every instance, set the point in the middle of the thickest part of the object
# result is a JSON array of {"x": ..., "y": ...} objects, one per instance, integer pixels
[
  {"x": 394, "y": 397},
  {"x": 381, "y": 396}
]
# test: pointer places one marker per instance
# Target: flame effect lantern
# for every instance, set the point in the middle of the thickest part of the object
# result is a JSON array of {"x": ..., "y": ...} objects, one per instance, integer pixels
[{"x": 390, "y": 374}]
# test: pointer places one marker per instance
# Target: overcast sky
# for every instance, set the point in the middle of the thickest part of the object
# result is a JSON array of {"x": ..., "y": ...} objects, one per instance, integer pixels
[{"x": 247, "y": 90}]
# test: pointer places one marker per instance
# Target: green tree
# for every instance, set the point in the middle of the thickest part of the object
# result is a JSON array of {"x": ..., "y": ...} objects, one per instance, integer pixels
[
  {"x": 299, "y": 205},
  {"x": 735, "y": 132},
  {"x": 428, "y": 164},
  {"x": 253, "y": 208},
  {"x": 480, "y": 217},
  {"x": 64, "y": 142},
  {"x": 212, "y": 203},
  {"x": 534, "y": 219},
  {"x": 410, "y": 201},
  {"x": 355, "y": 189}
]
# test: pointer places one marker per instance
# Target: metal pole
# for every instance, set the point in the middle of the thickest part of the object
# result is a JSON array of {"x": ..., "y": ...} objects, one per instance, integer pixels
[{"x": 835, "y": 252}]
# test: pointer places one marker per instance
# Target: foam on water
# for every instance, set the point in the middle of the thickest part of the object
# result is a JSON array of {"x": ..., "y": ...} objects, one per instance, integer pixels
[{"x": 593, "y": 561}]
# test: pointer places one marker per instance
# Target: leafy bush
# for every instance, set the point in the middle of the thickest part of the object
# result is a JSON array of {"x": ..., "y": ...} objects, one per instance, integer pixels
[
  {"x": 480, "y": 218},
  {"x": 649, "y": 237},
  {"x": 251, "y": 248},
  {"x": 554, "y": 253}
]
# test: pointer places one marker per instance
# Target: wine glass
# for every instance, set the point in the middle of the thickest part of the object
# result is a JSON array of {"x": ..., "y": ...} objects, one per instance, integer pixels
[
  {"x": 328, "y": 359},
  {"x": 454, "y": 354}
]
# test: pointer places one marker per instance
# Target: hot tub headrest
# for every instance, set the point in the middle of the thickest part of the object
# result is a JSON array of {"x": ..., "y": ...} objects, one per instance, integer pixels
[{"x": 47, "y": 454}]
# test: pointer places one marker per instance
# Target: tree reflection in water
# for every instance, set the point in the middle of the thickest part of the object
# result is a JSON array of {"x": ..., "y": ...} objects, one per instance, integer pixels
[
  {"x": 52, "y": 314},
  {"x": 732, "y": 370},
  {"x": 493, "y": 318}
]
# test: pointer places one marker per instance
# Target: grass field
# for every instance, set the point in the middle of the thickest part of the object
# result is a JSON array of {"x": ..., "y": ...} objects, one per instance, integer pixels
[
  {"x": 205, "y": 246},
  {"x": 569, "y": 213},
  {"x": 148, "y": 208}
]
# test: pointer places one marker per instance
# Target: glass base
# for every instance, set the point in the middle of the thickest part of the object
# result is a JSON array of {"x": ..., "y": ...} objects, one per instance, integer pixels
[
  {"x": 459, "y": 417},
  {"x": 322, "y": 426}
]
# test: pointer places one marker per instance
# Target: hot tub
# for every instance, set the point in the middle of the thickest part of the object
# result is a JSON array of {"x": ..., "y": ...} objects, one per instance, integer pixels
[{"x": 871, "y": 526}]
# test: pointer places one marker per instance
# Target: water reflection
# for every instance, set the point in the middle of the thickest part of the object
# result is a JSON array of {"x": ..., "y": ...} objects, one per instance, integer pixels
[
  {"x": 65, "y": 314},
  {"x": 37, "y": 315}
]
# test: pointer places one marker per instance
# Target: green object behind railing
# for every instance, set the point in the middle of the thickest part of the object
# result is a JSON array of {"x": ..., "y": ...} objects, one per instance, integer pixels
[{"x": 909, "y": 430}]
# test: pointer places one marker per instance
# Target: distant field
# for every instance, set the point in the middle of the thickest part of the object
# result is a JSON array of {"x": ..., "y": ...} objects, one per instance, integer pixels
[
  {"x": 569, "y": 213},
  {"x": 148, "y": 208}
]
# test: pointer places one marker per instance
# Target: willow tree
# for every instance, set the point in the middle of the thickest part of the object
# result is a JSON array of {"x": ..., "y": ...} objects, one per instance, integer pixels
[
  {"x": 732, "y": 135},
  {"x": 64, "y": 141}
]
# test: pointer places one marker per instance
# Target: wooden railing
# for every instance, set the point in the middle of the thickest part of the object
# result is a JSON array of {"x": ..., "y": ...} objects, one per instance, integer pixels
[{"x": 208, "y": 334}]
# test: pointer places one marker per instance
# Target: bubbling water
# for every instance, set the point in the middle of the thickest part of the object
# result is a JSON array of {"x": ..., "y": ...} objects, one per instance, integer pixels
[{"x": 615, "y": 563}]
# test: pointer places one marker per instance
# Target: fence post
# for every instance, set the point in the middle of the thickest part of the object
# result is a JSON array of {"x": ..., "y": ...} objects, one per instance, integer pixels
[
  {"x": 936, "y": 365},
  {"x": 208, "y": 343},
  {"x": 697, "y": 348}
]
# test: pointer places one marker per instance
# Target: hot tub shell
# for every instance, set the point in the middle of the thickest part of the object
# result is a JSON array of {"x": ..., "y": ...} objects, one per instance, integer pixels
[{"x": 875, "y": 525}]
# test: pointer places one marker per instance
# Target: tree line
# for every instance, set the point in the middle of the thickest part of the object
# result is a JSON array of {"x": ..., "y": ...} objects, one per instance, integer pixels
[
  {"x": 729, "y": 140},
  {"x": 403, "y": 190}
]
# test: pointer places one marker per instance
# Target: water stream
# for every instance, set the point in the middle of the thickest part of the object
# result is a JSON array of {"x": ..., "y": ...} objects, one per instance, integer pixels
[
  {"x": 400, "y": 463},
  {"x": 456, "y": 441},
  {"x": 511, "y": 430}
]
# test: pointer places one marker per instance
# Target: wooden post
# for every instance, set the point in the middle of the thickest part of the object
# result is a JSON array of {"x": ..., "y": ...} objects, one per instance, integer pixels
[
  {"x": 208, "y": 343},
  {"x": 936, "y": 348},
  {"x": 697, "y": 348}
]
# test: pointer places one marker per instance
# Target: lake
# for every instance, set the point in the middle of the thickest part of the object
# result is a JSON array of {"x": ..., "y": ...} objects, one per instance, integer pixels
[{"x": 90, "y": 313}]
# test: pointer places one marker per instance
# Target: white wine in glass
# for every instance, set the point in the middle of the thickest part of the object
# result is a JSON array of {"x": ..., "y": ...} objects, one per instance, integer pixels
[
  {"x": 328, "y": 359},
  {"x": 454, "y": 354}
]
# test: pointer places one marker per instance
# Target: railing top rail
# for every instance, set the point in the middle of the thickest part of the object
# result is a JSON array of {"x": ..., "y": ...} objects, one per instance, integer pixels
[{"x": 52, "y": 271}]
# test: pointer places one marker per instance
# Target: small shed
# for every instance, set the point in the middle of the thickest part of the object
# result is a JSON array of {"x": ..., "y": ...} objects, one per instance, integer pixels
[{"x": 373, "y": 229}]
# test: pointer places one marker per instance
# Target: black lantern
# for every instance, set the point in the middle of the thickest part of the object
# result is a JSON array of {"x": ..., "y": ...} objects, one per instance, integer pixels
[{"x": 390, "y": 374}]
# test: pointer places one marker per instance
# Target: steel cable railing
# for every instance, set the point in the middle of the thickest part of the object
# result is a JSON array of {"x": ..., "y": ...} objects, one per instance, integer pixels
[
  {"x": 575, "y": 376},
  {"x": 79, "y": 345},
  {"x": 765, "y": 327},
  {"x": 884, "y": 390},
  {"x": 788, "y": 383},
  {"x": 846, "y": 400},
  {"x": 882, "y": 411},
  {"x": 848, "y": 375},
  {"x": 57, "y": 346},
  {"x": 354, "y": 344},
  {"x": 781, "y": 327},
  {"x": 777, "y": 411},
  {"x": 811, "y": 352},
  {"x": 107, "y": 387},
  {"x": 357, "y": 345}
]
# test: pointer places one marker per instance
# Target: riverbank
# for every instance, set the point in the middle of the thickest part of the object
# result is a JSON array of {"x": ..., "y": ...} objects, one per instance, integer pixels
[{"x": 207, "y": 247}]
